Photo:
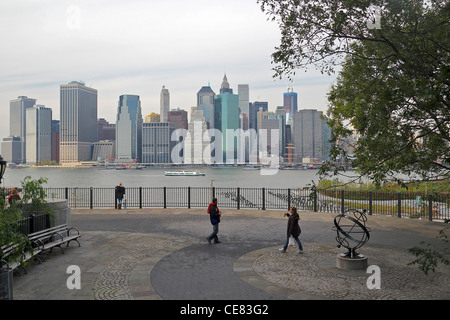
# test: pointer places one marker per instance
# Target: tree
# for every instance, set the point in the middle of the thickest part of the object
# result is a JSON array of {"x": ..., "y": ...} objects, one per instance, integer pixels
[{"x": 392, "y": 89}]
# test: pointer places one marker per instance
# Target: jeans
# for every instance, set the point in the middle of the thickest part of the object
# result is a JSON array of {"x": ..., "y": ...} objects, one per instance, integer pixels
[
  {"x": 300, "y": 247},
  {"x": 213, "y": 235}
]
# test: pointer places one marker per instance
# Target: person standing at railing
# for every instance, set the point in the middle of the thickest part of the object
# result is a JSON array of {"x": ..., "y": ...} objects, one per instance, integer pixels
[
  {"x": 293, "y": 229},
  {"x": 214, "y": 216},
  {"x": 120, "y": 192}
]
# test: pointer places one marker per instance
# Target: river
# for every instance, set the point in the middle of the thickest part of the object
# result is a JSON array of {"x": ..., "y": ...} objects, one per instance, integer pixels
[{"x": 155, "y": 177}]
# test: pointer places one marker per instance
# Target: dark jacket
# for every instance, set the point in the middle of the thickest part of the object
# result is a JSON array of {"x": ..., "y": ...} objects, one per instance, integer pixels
[
  {"x": 214, "y": 213},
  {"x": 120, "y": 191},
  {"x": 293, "y": 227}
]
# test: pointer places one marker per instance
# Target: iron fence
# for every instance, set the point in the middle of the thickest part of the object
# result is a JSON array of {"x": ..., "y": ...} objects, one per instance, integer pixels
[{"x": 335, "y": 201}]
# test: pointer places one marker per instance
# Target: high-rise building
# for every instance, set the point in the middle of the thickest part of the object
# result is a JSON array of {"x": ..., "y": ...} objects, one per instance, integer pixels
[
  {"x": 254, "y": 108},
  {"x": 55, "y": 141},
  {"x": 195, "y": 147},
  {"x": 106, "y": 130},
  {"x": 78, "y": 122},
  {"x": 39, "y": 134},
  {"x": 129, "y": 129},
  {"x": 225, "y": 87},
  {"x": 179, "y": 118},
  {"x": 290, "y": 102},
  {"x": 11, "y": 149},
  {"x": 164, "y": 104},
  {"x": 17, "y": 122},
  {"x": 205, "y": 102},
  {"x": 311, "y": 135},
  {"x": 244, "y": 98},
  {"x": 156, "y": 142},
  {"x": 226, "y": 111}
]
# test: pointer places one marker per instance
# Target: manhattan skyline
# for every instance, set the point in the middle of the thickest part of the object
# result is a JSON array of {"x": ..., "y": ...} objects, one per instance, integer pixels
[{"x": 136, "y": 47}]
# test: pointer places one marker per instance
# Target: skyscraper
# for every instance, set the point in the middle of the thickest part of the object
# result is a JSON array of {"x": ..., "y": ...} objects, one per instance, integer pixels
[
  {"x": 225, "y": 87},
  {"x": 129, "y": 129},
  {"x": 179, "y": 118},
  {"x": 39, "y": 134},
  {"x": 226, "y": 110},
  {"x": 156, "y": 142},
  {"x": 78, "y": 122},
  {"x": 311, "y": 135},
  {"x": 17, "y": 122},
  {"x": 244, "y": 98},
  {"x": 290, "y": 102},
  {"x": 205, "y": 102},
  {"x": 164, "y": 104}
]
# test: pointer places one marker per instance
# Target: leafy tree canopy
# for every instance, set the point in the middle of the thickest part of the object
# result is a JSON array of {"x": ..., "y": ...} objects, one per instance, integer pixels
[{"x": 392, "y": 89}]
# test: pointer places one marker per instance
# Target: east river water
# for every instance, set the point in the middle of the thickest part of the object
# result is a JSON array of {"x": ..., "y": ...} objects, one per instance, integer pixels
[{"x": 155, "y": 177}]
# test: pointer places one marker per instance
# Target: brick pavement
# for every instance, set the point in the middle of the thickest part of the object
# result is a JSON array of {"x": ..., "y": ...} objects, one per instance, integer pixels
[{"x": 162, "y": 254}]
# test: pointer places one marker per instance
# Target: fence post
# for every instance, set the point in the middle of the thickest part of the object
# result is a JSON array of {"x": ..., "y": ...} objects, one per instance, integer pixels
[
  {"x": 289, "y": 199},
  {"x": 140, "y": 197},
  {"x": 370, "y": 203},
  {"x": 67, "y": 193},
  {"x": 430, "y": 208},
  {"x": 213, "y": 192},
  {"x": 264, "y": 198},
  {"x": 315, "y": 200},
  {"x": 32, "y": 224},
  {"x": 399, "y": 206},
  {"x": 342, "y": 201},
  {"x": 189, "y": 197},
  {"x": 91, "y": 200},
  {"x": 165, "y": 199},
  {"x": 238, "y": 195}
]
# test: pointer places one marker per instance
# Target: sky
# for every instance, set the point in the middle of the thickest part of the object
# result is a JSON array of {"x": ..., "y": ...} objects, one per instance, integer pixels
[{"x": 137, "y": 46}]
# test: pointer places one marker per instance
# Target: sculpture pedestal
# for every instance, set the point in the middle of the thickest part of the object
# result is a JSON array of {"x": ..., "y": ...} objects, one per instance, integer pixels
[{"x": 346, "y": 263}]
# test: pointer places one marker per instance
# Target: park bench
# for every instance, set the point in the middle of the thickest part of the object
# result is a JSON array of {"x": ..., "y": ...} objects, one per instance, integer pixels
[
  {"x": 26, "y": 256},
  {"x": 55, "y": 237}
]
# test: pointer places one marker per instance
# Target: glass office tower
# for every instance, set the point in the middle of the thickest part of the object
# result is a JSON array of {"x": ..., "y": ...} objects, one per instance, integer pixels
[{"x": 129, "y": 129}]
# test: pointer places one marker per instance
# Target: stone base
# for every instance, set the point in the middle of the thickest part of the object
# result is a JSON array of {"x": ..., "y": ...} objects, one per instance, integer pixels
[{"x": 346, "y": 263}]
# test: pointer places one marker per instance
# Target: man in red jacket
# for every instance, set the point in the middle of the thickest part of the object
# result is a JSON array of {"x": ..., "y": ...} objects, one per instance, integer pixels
[{"x": 214, "y": 216}]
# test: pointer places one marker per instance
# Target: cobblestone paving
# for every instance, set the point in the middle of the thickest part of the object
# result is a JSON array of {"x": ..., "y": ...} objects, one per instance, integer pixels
[{"x": 314, "y": 274}]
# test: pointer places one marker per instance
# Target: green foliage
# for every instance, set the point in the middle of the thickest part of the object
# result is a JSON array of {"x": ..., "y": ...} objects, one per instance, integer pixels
[
  {"x": 428, "y": 258},
  {"x": 33, "y": 201},
  {"x": 34, "y": 195},
  {"x": 9, "y": 233},
  {"x": 392, "y": 90}
]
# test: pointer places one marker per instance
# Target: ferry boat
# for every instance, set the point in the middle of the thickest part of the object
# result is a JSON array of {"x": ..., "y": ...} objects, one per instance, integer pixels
[{"x": 184, "y": 173}]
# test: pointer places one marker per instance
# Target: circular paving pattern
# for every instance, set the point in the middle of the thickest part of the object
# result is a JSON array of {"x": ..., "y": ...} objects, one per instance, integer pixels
[
  {"x": 127, "y": 277},
  {"x": 314, "y": 274}
]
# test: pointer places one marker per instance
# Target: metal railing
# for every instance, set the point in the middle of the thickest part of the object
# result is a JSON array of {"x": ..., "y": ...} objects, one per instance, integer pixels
[{"x": 395, "y": 204}]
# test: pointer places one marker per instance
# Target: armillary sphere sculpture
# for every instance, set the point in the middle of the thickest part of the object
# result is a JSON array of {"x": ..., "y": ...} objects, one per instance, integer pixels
[{"x": 352, "y": 232}]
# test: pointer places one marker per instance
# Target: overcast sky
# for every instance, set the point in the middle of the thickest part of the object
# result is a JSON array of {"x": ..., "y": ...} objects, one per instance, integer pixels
[{"x": 137, "y": 46}]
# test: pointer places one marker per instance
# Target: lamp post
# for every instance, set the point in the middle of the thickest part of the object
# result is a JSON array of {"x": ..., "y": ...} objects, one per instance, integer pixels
[{"x": 2, "y": 168}]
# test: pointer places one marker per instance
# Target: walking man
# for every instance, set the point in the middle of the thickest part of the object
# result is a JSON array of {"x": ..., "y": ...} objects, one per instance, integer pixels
[{"x": 214, "y": 216}]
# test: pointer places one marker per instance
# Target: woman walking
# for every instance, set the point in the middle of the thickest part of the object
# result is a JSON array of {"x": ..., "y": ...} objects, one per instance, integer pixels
[{"x": 293, "y": 229}]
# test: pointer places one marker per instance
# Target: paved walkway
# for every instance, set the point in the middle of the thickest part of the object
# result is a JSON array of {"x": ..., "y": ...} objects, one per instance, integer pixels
[{"x": 162, "y": 254}]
